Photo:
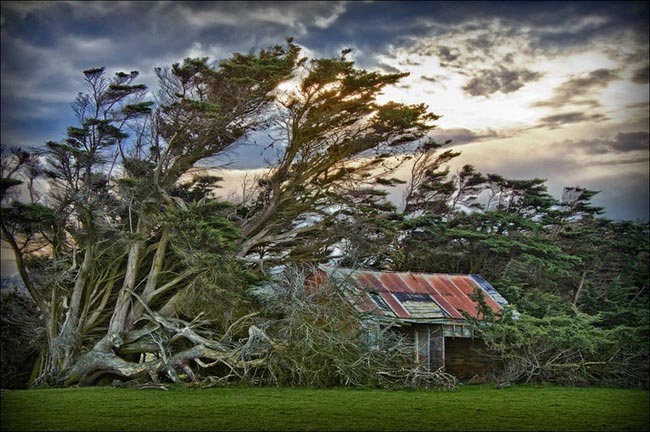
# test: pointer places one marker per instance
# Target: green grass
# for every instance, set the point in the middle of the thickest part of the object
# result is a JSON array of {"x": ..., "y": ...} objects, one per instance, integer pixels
[{"x": 237, "y": 408}]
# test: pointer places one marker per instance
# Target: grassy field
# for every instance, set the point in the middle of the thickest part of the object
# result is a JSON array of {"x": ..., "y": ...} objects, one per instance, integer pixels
[{"x": 236, "y": 408}]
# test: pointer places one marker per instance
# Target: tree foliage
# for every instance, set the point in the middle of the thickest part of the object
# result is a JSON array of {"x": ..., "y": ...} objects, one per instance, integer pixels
[{"x": 138, "y": 269}]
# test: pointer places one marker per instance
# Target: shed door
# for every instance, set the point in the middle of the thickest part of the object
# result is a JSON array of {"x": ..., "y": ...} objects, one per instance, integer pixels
[
  {"x": 436, "y": 348},
  {"x": 430, "y": 347},
  {"x": 422, "y": 337}
]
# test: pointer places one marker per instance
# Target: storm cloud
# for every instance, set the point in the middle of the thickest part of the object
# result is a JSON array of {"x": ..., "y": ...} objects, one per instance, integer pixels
[
  {"x": 515, "y": 72},
  {"x": 488, "y": 82},
  {"x": 580, "y": 90},
  {"x": 558, "y": 120},
  {"x": 623, "y": 142},
  {"x": 463, "y": 136},
  {"x": 641, "y": 75}
]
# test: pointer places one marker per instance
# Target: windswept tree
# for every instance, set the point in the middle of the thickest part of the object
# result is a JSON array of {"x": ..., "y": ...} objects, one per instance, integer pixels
[
  {"x": 136, "y": 254},
  {"x": 430, "y": 188},
  {"x": 114, "y": 221},
  {"x": 336, "y": 138}
]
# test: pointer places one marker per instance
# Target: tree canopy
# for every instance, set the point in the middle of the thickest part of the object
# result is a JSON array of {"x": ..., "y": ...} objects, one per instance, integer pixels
[{"x": 138, "y": 269}]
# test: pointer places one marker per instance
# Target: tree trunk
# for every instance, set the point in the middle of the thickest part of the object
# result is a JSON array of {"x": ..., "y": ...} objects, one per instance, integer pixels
[
  {"x": 119, "y": 320},
  {"x": 97, "y": 363},
  {"x": 67, "y": 341},
  {"x": 580, "y": 286},
  {"x": 149, "y": 291}
]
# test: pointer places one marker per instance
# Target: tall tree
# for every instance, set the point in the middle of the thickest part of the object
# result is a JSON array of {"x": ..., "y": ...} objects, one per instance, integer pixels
[
  {"x": 430, "y": 189},
  {"x": 118, "y": 234},
  {"x": 335, "y": 134},
  {"x": 137, "y": 247}
]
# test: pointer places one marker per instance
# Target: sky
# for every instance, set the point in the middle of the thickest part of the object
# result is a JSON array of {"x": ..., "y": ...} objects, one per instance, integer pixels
[{"x": 554, "y": 90}]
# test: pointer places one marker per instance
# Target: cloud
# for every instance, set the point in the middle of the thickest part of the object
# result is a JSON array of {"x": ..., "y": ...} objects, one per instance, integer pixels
[
  {"x": 622, "y": 176},
  {"x": 641, "y": 105},
  {"x": 630, "y": 161},
  {"x": 435, "y": 78},
  {"x": 487, "y": 81},
  {"x": 448, "y": 55},
  {"x": 558, "y": 120},
  {"x": 388, "y": 68},
  {"x": 623, "y": 142},
  {"x": 76, "y": 9},
  {"x": 326, "y": 21},
  {"x": 495, "y": 49},
  {"x": 580, "y": 89},
  {"x": 641, "y": 75},
  {"x": 630, "y": 141},
  {"x": 494, "y": 56},
  {"x": 46, "y": 45},
  {"x": 461, "y": 136}
]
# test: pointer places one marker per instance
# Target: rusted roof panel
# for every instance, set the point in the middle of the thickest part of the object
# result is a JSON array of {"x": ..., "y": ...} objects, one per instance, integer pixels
[
  {"x": 368, "y": 280},
  {"x": 418, "y": 296},
  {"x": 437, "y": 296},
  {"x": 394, "y": 304},
  {"x": 469, "y": 287},
  {"x": 461, "y": 299},
  {"x": 394, "y": 283},
  {"x": 450, "y": 294}
]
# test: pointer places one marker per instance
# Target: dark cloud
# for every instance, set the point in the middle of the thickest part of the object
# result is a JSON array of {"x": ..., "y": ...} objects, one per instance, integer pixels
[
  {"x": 579, "y": 90},
  {"x": 558, "y": 120},
  {"x": 448, "y": 55},
  {"x": 623, "y": 142},
  {"x": 641, "y": 75},
  {"x": 483, "y": 43},
  {"x": 434, "y": 78},
  {"x": 488, "y": 82},
  {"x": 388, "y": 68},
  {"x": 643, "y": 105},
  {"x": 630, "y": 161},
  {"x": 463, "y": 136},
  {"x": 46, "y": 45},
  {"x": 630, "y": 141},
  {"x": 411, "y": 62}
]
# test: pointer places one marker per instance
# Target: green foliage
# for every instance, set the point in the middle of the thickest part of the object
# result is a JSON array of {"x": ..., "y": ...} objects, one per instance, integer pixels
[
  {"x": 369, "y": 227},
  {"x": 569, "y": 348},
  {"x": 339, "y": 139},
  {"x": 199, "y": 187},
  {"x": 202, "y": 228},
  {"x": 218, "y": 292},
  {"x": 203, "y": 242},
  {"x": 29, "y": 218},
  {"x": 6, "y": 183},
  {"x": 578, "y": 281}
]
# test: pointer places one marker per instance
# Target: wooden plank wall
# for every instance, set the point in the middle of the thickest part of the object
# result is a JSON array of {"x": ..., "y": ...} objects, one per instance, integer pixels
[{"x": 463, "y": 357}]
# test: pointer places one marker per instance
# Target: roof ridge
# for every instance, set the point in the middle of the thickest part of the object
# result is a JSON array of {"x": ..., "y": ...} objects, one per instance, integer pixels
[{"x": 396, "y": 271}]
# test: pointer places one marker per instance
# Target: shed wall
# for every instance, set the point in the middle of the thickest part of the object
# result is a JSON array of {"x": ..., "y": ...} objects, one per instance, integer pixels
[{"x": 465, "y": 358}]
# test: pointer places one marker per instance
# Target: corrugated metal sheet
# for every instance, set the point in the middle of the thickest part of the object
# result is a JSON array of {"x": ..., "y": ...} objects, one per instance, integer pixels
[
  {"x": 418, "y": 297},
  {"x": 489, "y": 289}
]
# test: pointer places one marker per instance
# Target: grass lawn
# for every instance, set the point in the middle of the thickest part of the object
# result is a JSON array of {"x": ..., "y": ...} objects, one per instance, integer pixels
[{"x": 238, "y": 408}]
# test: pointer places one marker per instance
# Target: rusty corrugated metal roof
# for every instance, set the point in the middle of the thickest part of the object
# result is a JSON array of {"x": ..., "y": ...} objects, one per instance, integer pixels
[{"x": 418, "y": 297}]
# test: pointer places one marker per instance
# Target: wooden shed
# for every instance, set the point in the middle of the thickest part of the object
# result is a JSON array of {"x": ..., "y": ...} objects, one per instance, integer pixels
[{"x": 428, "y": 309}]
